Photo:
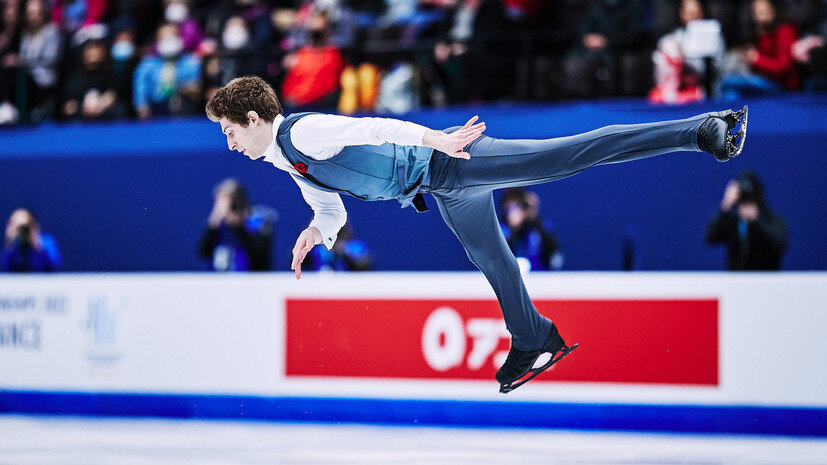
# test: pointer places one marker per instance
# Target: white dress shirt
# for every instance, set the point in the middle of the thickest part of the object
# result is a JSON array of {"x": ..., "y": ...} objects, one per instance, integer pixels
[{"x": 321, "y": 137}]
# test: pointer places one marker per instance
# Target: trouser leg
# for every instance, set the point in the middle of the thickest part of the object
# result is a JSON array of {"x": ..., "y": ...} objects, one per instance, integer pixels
[
  {"x": 497, "y": 163},
  {"x": 474, "y": 221}
]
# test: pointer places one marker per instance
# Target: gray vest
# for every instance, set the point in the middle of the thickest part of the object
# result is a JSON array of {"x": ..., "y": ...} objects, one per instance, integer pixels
[{"x": 369, "y": 172}]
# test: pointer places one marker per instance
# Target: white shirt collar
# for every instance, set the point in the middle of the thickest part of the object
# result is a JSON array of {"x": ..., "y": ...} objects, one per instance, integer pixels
[{"x": 270, "y": 153}]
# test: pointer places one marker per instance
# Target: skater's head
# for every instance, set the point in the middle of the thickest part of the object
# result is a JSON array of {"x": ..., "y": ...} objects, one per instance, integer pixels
[{"x": 245, "y": 108}]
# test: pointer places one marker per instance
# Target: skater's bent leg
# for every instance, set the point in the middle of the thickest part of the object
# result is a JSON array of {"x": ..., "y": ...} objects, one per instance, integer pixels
[
  {"x": 474, "y": 221},
  {"x": 502, "y": 163}
]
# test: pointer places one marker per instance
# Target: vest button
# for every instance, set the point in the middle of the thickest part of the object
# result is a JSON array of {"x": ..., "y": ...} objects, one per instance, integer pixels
[{"x": 380, "y": 198}]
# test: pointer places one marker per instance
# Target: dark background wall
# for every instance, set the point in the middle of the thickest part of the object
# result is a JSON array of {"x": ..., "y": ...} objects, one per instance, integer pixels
[{"x": 135, "y": 196}]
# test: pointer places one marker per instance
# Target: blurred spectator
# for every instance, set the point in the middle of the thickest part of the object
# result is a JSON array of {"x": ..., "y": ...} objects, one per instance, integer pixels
[
  {"x": 169, "y": 82},
  {"x": 27, "y": 248},
  {"x": 73, "y": 15},
  {"x": 811, "y": 53},
  {"x": 124, "y": 61},
  {"x": 755, "y": 236},
  {"x": 533, "y": 243},
  {"x": 609, "y": 27},
  {"x": 313, "y": 71},
  {"x": 92, "y": 92},
  {"x": 9, "y": 60},
  {"x": 239, "y": 54},
  {"x": 466, "y": 61},
  {"x": 348, "y": 254},
  {"x": 769, "y": 61},
  {"x": 40, "y": 50},
  {"x": 178, "y": 12},
  {"x": 679, "y": 71},
  {"x": 238, "y": 237}
]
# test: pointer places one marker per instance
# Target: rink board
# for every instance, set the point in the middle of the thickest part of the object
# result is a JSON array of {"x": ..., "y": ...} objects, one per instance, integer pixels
[{"x": 706, "y": 352}]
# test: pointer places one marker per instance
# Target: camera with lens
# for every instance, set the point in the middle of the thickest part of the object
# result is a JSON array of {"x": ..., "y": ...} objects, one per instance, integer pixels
[
  {"x": 23, "y": 237},
  {"x": 750, "y": 188}
]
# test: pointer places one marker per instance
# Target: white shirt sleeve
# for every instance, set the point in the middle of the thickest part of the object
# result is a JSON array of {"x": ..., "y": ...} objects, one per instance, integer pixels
[
  {"x": 323, "y": 136},
  {"x": 329, "y": 213}
]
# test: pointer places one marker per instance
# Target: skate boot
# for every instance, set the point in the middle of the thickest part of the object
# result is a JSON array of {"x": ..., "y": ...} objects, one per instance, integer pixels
[
  {"x": 714, "y": 135},
  {"x": 520, "y": 363}
]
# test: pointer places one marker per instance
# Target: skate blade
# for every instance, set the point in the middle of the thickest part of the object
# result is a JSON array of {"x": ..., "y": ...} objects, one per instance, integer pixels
[
  {"x": 735, "y": 142},
  {"x": 506, "y": 388}
]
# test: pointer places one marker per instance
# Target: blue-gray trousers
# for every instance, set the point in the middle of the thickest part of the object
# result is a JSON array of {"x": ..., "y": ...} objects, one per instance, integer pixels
[{"x": 463, "y": 191}]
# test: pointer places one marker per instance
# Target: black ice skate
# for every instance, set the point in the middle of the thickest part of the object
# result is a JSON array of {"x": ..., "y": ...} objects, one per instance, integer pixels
[
  {"x": 520, "y": 363},
  {"x": 714, "y": 135}
]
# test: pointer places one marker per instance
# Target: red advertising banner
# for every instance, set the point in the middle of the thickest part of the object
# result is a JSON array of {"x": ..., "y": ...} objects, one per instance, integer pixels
[{"x": 621, "y": 341}]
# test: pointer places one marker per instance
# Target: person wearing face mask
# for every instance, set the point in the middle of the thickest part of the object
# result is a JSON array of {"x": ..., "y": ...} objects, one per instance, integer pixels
[
  {"x": 236, "y": 57},
  {"x": 167, "y": 82},
  {"x": 312, "y": 78},
  {"x": 178, "y": 12},
  {"x": 124, "y": 60}
]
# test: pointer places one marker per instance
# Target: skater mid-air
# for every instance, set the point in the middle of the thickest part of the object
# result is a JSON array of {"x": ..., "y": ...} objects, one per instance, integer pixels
[{"x": 383, "y": 159}]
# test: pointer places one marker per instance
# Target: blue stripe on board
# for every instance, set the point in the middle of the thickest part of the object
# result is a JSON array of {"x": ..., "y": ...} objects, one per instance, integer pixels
[{"x": 673, "y": 418}]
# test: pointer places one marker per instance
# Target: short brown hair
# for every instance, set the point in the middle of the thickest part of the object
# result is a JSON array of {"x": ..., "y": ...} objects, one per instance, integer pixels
[{"x": 243, "y": 94}]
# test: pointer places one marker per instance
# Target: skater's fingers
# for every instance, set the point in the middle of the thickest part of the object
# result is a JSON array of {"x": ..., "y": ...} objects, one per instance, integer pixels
[{"x": 470, "y": 121}]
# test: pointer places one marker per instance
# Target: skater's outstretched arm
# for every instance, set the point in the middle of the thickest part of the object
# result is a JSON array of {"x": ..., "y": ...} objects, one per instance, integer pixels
[
  {"x": 322, "y": 136},
  {"x": 453, "y": 144}
]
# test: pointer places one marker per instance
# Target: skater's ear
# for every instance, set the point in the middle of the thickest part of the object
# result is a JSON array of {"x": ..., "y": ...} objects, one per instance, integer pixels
[{"x": 252, "y": 118}]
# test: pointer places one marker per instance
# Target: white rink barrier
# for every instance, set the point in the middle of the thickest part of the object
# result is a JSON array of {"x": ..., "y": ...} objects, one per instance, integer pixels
[{"x": 712, "y": 352}]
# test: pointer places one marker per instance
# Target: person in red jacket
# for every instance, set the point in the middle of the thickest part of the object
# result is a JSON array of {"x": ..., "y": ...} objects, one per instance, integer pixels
[
  {"x": 314, "y": 70},
  {"x": 770, "y": 60}
]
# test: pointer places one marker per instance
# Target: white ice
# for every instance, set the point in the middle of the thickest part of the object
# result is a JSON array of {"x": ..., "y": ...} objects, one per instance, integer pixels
[{"x": 47, "y": 440}]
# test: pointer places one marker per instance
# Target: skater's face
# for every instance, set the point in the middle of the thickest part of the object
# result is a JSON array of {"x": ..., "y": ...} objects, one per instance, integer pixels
[{"x": 250, "y": 140}]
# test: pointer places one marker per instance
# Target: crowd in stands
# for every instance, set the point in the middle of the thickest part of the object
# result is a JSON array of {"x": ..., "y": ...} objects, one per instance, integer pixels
[{"x": 109, "y": 59}]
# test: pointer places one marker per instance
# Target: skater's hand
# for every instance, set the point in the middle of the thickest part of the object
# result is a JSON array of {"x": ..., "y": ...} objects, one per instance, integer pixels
[
  {"x": 454, "y": 143},
  {"x": 306, "y": 241}
]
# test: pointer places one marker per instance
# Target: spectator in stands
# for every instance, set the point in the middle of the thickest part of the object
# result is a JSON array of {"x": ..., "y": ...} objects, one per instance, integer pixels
[
  {"x": 533, "y": 243},
  {"x": 124, "y": 61},
  {"x": 810, "y": 53},
  {"x": 348, "y": 254},
  {"x": 468, "y": 62},
  {"x": 609, "y": 27},
  {"x": 178, "y": 12},
  {"x": 237, "y": 237},
  {"x": 769, "y": 58},
  {"x": 9, "y": 60},
  {"x": 27, "y": 248},
  {"x": 755, "y": 236},
  {"x": 679, "y": 78},
  {"x": 92, "y": 92},
  {"x": 74, "y": 15},
  {"x": 169, "y": 82},
  {"x": 313, "y": 71},
  {"x": 40, "y": 52}
]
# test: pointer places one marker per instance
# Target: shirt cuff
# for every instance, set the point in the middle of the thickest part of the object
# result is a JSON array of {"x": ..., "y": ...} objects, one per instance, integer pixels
[
  {"x": 329, "y": 230},
  {"x": 410, "y": 133}
]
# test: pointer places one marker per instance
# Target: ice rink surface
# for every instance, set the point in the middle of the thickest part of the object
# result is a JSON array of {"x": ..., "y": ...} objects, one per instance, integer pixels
[{"x": 36, "y": 440}]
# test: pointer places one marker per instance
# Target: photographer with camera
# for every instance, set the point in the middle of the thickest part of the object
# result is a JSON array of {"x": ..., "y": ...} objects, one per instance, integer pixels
[
  {"x": 27, "y": 249},
  {"x": 237, "y": 237},
  {"x": 755, "y": 235}
]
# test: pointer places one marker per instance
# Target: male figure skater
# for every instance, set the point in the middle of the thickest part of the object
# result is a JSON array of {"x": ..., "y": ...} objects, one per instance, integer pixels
[{"x": 380, "y": 159}]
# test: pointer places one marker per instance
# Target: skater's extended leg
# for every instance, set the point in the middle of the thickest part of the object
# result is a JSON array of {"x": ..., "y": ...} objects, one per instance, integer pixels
[
  {"x": 497, "y": 163},
  {"x": 474, "y": 221}
]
